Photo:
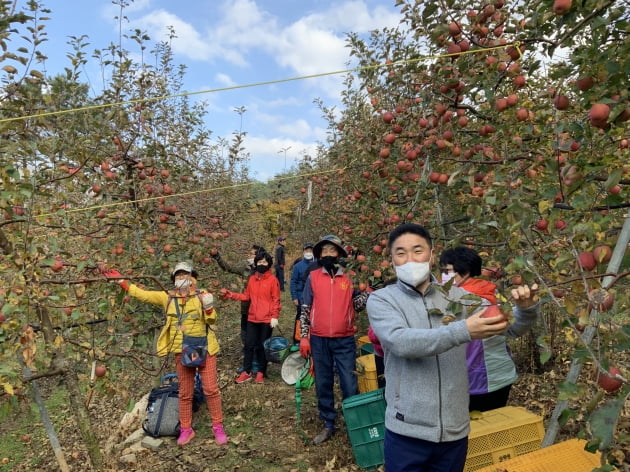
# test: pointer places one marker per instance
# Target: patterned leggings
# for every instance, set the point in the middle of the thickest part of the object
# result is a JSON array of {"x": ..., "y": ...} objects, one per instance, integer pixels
[{"x": 186, "y": 377}]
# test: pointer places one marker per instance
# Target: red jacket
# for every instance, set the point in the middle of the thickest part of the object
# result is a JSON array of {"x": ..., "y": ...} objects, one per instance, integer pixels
[
  {"x": 332, "y": 311},
  {"x": 263, "y": 291},
  {"x": 483, "y": 288}
]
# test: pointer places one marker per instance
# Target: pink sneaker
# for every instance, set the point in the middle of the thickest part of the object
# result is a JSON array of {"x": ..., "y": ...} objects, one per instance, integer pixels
[
  {"x": 185, "y": 436},
  {"x": 219, "y": 434},
  {"x": 260, "y": 377},
  {"x": 244, "y": 377}
]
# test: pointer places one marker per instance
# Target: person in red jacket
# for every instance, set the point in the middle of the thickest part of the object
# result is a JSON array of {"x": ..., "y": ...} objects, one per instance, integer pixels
[
  {"x": 263, "y": 293},
  {"x": 327, "y": 327}
]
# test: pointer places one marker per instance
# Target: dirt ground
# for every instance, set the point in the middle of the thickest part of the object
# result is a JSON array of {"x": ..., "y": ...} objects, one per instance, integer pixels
[{"x": 260, "y": 421}]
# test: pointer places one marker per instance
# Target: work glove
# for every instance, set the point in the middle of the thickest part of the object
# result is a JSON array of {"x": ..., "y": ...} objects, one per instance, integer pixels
[
  {"x": 224, "y": 293},
  {"x": 273, "y": 323},
  {"x": 305, "y": 348},
  {"x": 207, "y": 300},
  {"x": 117, "y": 277}
]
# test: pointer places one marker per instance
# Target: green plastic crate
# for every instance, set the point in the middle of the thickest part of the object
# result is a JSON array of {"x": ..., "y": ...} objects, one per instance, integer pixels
[
  {"x": 367, "y": 349},
  {"x": 365, "y": 421}
]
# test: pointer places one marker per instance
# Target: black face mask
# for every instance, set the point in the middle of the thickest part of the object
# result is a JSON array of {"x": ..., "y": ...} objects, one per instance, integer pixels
[
  {"x": 261, "y": 269},
  {"x": 330, "y": 263}
]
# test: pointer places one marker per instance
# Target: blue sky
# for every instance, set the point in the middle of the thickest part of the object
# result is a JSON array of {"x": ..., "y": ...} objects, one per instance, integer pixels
[{"x": 237, "y": 42}]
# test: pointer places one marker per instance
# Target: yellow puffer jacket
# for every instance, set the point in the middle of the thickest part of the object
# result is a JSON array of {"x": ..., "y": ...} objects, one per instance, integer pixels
[{"x": 193, "y": 319}]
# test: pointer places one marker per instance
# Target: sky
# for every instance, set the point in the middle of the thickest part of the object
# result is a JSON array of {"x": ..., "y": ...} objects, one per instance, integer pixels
[{"x": 228, "y": 43}]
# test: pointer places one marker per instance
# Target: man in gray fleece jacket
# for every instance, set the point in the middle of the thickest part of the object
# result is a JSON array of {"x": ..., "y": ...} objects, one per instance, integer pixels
[{"x": 427, "y": 419}]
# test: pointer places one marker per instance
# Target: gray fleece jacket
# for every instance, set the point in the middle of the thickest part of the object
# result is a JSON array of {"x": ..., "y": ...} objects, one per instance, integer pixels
[{"x": 425, "y": 361}]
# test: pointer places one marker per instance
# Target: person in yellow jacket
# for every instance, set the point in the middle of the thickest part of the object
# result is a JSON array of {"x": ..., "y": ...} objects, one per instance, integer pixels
[{"x": 190, "y": 312}]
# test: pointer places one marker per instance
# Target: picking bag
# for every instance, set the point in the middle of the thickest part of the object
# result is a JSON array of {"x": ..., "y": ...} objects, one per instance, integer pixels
[{"x": 163, "y": 409}]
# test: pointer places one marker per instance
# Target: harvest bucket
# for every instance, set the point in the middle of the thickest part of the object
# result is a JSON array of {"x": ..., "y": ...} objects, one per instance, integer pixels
[{"x": 276, "y": 349}]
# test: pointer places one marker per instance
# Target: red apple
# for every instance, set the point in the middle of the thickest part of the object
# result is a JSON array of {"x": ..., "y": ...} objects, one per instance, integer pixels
[
  {"x": 586, "y": 260},
  {"x": 57, "y": 265},
  {"x": 562, "y": 7},
  {"x": 492, "y": 311},
  {"x": 602, "y": 254},
  {"x": 601, "y": 300},
  {"x": 598, "y": 115},
  {"x": 608, "y": 383},
  {"x": 561, "y": 102},
  {"x": 100, "y": 370}
]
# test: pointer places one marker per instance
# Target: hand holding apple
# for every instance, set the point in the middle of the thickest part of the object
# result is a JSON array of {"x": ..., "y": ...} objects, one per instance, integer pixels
[{"x": 483, "y": 325}]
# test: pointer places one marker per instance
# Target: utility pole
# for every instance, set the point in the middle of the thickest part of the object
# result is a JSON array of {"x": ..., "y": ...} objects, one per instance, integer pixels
[{"x": 284, "y": 150}]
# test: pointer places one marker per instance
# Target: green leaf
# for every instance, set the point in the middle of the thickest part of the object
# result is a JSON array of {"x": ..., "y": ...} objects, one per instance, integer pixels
[
  {"x": 429, "y": 10},
  {"x": 604, "y": 421},
  {"x": 568, "y": 391},
  {"x": 613, "y": 178},
  {"x": 545, "y": 356}
]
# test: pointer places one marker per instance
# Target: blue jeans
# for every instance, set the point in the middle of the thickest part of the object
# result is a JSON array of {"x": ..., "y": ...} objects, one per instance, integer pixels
[
  {"x": 328, "y": 354},
  {"x": 405, "y": 454}
]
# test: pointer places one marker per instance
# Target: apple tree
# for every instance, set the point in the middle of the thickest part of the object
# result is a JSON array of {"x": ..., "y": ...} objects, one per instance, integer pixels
[{"x": 503, "y": 126}]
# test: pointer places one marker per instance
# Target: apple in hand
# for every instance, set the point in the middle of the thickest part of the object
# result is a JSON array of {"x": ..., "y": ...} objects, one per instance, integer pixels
[{"x": 492, "y": 311}]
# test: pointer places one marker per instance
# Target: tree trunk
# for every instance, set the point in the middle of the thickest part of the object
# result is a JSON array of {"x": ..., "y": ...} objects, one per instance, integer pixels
[{"x": 82, "y": 419}]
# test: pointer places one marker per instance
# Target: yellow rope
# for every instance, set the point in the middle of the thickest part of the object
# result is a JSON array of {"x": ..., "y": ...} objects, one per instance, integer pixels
[
  {"x": 183, "y": 194},
  {"x": 258, "y": 84},
  {"x": 109, "y": 205}
]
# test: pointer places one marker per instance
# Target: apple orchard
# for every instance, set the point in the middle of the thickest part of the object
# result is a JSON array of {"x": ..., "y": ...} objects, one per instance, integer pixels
[{"x": 499, "y": 125}]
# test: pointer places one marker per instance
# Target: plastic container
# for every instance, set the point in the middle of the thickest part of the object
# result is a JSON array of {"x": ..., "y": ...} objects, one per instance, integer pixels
[
  {"x": 502, "y": 434},
  {"x": 367, "y": 349},
  {"x": 363, "y": 340},
  {"x": 365, "y": 422},
  {"x": 366, "y": 373},
  {"x": 565, "y": 456}
]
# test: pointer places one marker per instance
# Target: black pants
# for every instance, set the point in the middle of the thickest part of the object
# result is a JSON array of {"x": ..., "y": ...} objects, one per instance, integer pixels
[
  {"x": 256, "y": 335},
  {"x": 491, "y": 400},
  {"x": 280, "y": 276}
]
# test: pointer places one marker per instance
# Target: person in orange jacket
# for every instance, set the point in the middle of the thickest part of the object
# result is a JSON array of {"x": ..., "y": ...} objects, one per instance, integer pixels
[
  {"x": 187, "y": 311},
  {"x": 263, "y": 292}
]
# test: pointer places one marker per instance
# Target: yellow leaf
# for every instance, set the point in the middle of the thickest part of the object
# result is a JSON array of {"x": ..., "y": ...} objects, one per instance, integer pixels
[
  {"x": 9, "y": 69},
  {"x": 8, "y": 388},
  {"x": 544, "y": 206}
]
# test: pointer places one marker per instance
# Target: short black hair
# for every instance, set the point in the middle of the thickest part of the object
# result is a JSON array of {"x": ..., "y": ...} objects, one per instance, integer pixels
[
  {"x": 406, "y": 228},
  {"x": 263, "y": 255},
  {"x": 465, "y": 261},
  {"x": 258, "y": 249}
]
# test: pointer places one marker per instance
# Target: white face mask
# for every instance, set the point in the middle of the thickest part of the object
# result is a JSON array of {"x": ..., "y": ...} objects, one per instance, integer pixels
[
  {"x": 308, "y": 256},
  {"x": 182, "y": 283},
  {"x": 446, "y": 276},
  {"x": 250, "y": 261},
  {"x": 413, "y": 273}
]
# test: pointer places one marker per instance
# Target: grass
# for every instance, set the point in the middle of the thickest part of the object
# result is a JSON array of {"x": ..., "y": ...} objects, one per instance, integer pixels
[{"x": 22, "y": 429}]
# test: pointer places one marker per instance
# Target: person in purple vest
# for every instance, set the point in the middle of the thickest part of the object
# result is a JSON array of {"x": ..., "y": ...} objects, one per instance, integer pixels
[{"x": 329, "y": 303}]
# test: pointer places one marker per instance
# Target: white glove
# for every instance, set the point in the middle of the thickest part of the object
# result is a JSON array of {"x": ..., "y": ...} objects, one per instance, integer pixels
[
  {"x": 207, "y": 300},
  {"x": 273, "y": 323}
]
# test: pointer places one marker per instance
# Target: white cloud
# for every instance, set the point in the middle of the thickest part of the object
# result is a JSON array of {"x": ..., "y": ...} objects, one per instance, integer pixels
[
  {"x": 269, "y": 154},
  {"x": 224, "y": 79}
]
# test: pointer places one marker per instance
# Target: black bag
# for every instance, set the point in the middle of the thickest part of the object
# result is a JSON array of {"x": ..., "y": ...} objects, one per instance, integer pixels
[
  {"x": 194, "y": 350},
  {"x": 163, "y": 409}
]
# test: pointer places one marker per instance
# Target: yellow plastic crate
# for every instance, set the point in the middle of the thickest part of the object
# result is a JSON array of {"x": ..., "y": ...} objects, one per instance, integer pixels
[
  {"x": 363, "y": 340},
  {"x": 502, "y": 434},
  {"x": 366, "y": 373},
  {"x": 565, "y": 456}
]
